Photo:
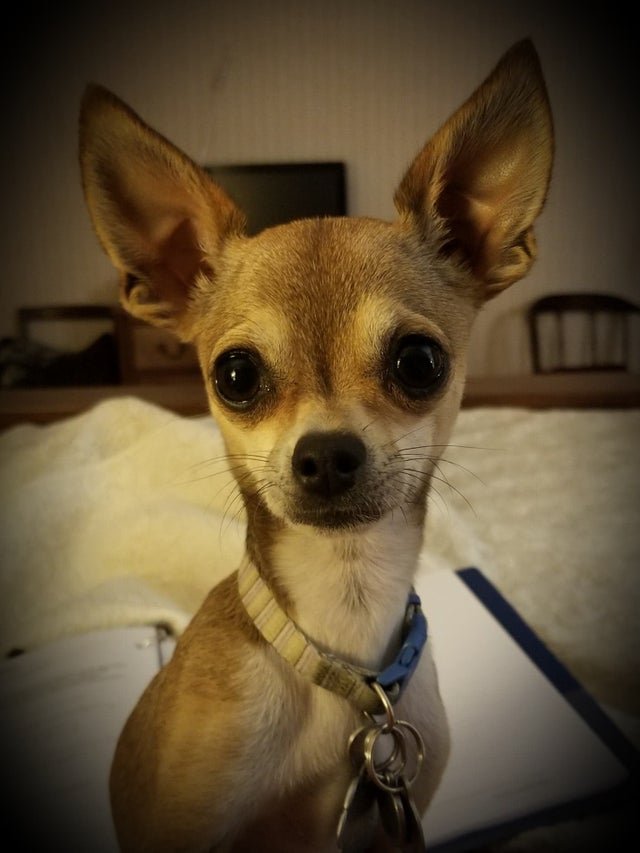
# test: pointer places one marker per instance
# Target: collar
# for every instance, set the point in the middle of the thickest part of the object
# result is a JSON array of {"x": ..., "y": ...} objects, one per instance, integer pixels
[{"x": 322, "y": 668}]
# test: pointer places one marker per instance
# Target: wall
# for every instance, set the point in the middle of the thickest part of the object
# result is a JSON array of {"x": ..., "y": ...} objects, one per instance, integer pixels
[{"x": 364, "y": 81}]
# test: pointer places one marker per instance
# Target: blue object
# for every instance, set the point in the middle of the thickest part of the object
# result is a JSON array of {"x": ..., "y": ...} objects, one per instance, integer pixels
[{"x": 400, "y": 671}]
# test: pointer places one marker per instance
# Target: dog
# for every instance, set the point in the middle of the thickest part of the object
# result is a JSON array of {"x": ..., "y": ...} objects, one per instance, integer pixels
[{"x": 334, "y": 357}]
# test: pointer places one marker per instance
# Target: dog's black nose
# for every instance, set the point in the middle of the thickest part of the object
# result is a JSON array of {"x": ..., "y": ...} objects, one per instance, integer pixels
[{"x": 327, "y": 463}]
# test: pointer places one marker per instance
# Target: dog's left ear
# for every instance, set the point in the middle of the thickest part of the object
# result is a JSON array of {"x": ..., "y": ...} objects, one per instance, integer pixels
[{"x": 478, "y": 185}]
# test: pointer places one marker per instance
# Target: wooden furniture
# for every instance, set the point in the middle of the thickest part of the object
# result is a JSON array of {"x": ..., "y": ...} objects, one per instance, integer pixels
[
  {"x": 156, "y": 368},
  {"x": 141, "y": 354},
  {"x": 580, "y": 331},
  {"x": 62, "y": 346},
  {"x": 188, "y": 398},
  {"x": 28, "y": 317},
  {"x": 150, "y": 355}
]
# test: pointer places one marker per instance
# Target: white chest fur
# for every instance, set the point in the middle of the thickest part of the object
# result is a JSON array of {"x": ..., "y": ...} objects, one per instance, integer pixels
[{"x": 349, "y": 591}]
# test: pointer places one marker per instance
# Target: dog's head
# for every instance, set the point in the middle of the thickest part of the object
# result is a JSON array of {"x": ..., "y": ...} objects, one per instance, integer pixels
[{"x": 333, "y": 350}]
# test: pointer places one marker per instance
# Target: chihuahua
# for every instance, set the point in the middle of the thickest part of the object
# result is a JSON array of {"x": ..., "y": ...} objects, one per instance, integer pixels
[{"x": 334, "y": 354}]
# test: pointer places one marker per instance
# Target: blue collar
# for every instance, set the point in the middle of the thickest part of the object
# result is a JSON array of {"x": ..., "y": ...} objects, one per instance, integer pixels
[{"x": 394, "y": 678}]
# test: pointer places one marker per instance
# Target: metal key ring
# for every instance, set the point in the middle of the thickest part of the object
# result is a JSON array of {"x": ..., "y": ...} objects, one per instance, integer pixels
[
  {"x": 399, "y": 736},
  {"x": 405, "y": 724},
  {"x": 385, "y": 763},
  {"x": 386, "y": 704},
  {"x": 374, "y": 771}
]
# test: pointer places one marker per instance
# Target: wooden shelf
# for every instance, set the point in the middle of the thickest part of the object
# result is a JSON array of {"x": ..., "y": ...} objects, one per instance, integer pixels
[{"x": 188, "y": 398}]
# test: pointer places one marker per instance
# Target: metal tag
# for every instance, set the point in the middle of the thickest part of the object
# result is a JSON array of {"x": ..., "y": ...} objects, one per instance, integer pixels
[
  {"x": 359, "y": 818},
  {"x": 414, "y": 841},
  {"x": 392, "y": 815}
]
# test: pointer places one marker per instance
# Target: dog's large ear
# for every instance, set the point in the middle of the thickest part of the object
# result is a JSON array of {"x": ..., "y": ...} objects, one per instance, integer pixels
[
  {"x": 478, "y": 185},
  {"x": 159, "y": 217}
]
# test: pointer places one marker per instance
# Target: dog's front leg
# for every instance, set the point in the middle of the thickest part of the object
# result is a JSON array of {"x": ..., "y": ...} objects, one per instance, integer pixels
[
  {"x": 194, "y": 758},
  {"x": 217, "y": 782},
  {"x": 178, "y": 768}
]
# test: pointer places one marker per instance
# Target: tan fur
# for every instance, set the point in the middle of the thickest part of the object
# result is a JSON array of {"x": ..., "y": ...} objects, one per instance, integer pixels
[{"x": 229, "y": 749}]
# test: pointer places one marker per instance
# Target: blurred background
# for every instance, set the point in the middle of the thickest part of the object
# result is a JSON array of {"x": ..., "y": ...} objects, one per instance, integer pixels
[{"x": 363, "y": 82}]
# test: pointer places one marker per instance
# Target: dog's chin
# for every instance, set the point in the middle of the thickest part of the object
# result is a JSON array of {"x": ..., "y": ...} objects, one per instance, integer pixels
[
  {"x": 332, "y": 519},
  {"x": 336, "y": 522}
]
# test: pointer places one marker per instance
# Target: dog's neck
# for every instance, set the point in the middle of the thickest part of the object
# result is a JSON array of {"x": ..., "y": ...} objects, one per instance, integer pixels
[{"x": 347, "y": 591}]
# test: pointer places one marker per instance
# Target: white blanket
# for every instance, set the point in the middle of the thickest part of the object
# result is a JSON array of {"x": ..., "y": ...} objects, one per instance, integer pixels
[{"x": 126, "y": 514}]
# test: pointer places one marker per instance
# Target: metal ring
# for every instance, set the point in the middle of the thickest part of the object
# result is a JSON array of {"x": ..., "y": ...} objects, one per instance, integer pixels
[
  {"x": 374, "y": 771},
  {"x": 397, "y": 732},
  {"x": 386, "y": 703},
  {"x": 399, "y": 751},
  {"x": 386, "y": 762},
  {"x": 419, "y": 749},
  {"x": 355, "y": 734}
]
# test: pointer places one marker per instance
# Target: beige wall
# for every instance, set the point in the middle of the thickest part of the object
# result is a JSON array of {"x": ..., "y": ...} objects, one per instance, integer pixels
[{"x": 365, "y": 81}]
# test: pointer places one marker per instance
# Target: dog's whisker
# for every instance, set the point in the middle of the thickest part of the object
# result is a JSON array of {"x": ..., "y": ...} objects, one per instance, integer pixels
[
  {"x": 234, "y": 509},
  {"x": 257, "y": 486},
  {"x": 399, "y": 489},
  {"x": 230, "y": 471},
  {"x": 446, "y": 446},
  {"x": 441, "y": 503},
  {"x": 404, "y": 514},
  {"x": 412, "y": 484},
  {"x": 422, "y": 479},
  {"x": 255, "y": 496},
  {"x": 395, "y": 441},
  {"x": 444, "y": 480},
  {"x": 236, "y": 494},
  {"x": 371, "y": 423},
  {"x": 256, "y": 456},
  {"x": 428, "y": 476},
  {"x": 213, "y": 461},
  {"x": 233, "y": 496},
  {"x": 441, "y": 459},
  {"x": 463, "y": 468}
]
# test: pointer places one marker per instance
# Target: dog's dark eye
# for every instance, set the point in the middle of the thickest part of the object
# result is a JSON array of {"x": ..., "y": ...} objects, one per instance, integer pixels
[
  {"x": 238, "y": 378},
  {"x": 418, "y": 365}
]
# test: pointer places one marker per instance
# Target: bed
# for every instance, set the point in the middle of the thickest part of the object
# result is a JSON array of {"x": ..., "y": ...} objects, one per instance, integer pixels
[{"x": 125, "y": 514}]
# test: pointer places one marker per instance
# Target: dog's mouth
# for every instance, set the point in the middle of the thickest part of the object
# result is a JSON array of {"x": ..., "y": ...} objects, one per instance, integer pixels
[{"x": 335, "y": 518}]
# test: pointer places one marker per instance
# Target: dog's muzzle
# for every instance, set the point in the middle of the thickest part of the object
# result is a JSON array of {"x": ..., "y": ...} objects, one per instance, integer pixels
[{"x": 330, "y": 474}]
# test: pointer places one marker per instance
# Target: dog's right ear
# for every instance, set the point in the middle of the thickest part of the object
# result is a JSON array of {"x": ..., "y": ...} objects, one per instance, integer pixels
[{"x": 159, "y": 217}]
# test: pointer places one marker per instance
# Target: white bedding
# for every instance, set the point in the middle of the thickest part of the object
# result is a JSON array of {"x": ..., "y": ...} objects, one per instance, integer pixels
[{"x": 125, "y": 514}]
